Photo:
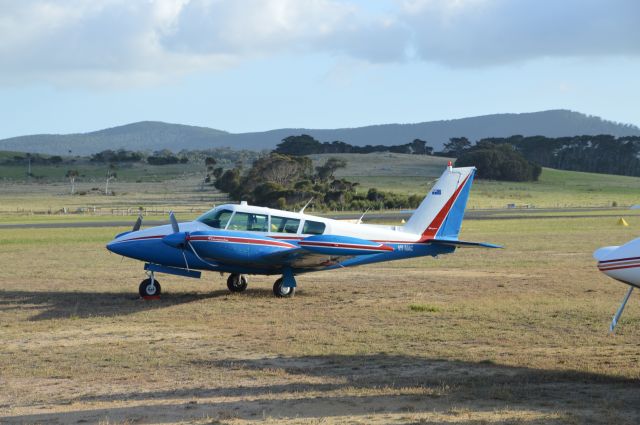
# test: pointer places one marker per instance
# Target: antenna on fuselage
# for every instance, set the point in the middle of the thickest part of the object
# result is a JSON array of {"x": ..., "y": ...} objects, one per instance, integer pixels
[
  {"x": 305, "y": 206},
  {"x": 362, "y": 216}
]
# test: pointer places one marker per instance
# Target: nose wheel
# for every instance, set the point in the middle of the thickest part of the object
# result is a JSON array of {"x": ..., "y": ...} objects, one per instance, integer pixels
[
  {"x": 237, "y": 282},
  {"x": 149, "y": 287}
]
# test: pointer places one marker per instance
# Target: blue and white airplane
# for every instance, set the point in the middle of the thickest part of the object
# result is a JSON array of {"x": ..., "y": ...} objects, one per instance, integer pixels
[{"x": 244, "y": 239}]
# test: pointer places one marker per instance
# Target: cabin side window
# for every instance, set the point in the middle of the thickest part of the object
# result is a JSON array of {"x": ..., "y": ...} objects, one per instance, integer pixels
[
  {"x": 284, "y": 224},
  {"x": 248, "y": 222},
  {"x": 313, "y": 228},
  {"x": 216, "y": 218}
]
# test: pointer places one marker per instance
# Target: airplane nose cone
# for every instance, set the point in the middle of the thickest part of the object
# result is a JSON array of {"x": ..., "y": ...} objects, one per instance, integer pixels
[{"x": 115, "y": 247}]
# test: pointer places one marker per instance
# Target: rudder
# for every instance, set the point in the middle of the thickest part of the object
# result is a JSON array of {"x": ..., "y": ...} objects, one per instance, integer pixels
[{"x": 441, "y": 212}]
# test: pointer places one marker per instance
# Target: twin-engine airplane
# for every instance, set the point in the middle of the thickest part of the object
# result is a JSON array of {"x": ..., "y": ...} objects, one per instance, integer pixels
[
  {"x": 244, "y": 239},
  {"x": 621, "y": 263}
]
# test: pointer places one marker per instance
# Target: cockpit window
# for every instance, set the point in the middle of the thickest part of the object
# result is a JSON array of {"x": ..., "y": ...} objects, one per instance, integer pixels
[
  {"x": 216, "y": 218},
  {"x": 284, "y": 224},
  {"x": 248, "y": 222},
  {"x": 313, "y": 228}
]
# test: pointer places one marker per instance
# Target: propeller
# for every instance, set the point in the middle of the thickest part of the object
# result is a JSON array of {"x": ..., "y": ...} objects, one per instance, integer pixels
[
  {"x": 137, "y": 224},
  {"x": 174, "y": 222},
  {"x": 178, "y": 239},
  {"x": 616, "y": 317},
  {"x": 182, "y": 241}
]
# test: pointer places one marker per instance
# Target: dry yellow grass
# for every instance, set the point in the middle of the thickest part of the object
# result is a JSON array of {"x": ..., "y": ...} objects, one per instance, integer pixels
[{"x": 518, "y": 336}]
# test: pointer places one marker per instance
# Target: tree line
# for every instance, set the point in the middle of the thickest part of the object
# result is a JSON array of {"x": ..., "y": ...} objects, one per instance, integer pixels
[
  {"x": 596, "y": 154},
  {"x": 306, "y": 145}
]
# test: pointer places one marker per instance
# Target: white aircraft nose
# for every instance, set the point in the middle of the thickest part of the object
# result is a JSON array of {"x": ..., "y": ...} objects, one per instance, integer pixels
[{"x": 621, "y": 263}]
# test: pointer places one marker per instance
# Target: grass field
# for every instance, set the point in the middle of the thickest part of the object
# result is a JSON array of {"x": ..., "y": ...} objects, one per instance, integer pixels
[
  {"x": 479, "y": 337},
  {"x": 90, "y": 172},
  {"x": 178, "y": 187},
  {"x": 45, "y": 202},
  {"x": 555, "y": 189}
]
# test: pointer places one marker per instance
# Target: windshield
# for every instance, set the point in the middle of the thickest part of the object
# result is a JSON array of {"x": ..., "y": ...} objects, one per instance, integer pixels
[{"x": 216, "y": 218}]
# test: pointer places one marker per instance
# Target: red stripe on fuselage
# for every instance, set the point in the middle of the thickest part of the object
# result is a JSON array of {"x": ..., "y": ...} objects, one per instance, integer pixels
[
  {"x": 619, "y": 259},
  {"x": 627, "y": 265},
  {"x": 346, "y": 246},
  {"x": 235, "y": 239},
  {"x": 372, "y": 240},
  {"x": 249, "y": 241},
  {"x": 267, "y": 242},
  {"x": 618, "y": 263}
]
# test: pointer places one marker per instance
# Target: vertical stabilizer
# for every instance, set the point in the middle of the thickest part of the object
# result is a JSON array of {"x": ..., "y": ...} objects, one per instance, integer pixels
[{"x": 440, "y": 213}]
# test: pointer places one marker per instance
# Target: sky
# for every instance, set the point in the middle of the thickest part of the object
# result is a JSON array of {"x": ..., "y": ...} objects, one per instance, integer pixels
[{"x": 251, "y": 65}]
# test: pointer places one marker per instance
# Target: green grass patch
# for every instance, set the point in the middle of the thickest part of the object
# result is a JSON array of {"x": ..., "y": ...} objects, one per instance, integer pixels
[
  {"x": 424, "y": 308},
  {"x": 555, "y": 189}
]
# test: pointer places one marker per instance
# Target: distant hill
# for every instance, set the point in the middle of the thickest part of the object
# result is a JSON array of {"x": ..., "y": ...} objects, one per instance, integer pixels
[
  {"x": 140, "y": 136},
  {"x": 150, "y": 135}
]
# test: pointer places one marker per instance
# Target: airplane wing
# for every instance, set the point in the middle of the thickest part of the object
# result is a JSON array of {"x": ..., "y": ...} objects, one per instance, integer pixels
[{"x": 322, "y": 251}]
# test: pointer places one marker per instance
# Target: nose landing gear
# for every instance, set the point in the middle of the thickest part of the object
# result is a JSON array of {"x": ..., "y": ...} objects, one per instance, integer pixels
[{"x": 150, "y": 287}]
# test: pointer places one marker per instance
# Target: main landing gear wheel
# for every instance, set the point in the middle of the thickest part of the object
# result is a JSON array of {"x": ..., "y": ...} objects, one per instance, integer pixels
[
  {"x": 149, "y": 288},
  {"x": 281, "y": 291},
  {"x": 237, "y": 282}
]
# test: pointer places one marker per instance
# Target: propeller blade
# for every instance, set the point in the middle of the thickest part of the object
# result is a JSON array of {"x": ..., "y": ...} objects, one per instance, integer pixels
[
  {"x": 616, "y": 317},
  {"x": 174, "y": 222},
  {"x": 137, "y": 224}
]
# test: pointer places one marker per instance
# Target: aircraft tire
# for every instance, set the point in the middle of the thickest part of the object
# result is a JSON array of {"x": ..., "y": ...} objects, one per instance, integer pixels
[
  {"x": 146, "y": 289},
  {"x": 237, "y": 282},
  {"x": 280, "y": 291}
]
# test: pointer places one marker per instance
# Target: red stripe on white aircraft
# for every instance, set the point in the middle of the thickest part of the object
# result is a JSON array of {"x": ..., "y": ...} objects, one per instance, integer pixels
[
  {"x": 379, "y": 247},
  {"x": 620, "y": 266},
  {"x": 618, "y": 259}
]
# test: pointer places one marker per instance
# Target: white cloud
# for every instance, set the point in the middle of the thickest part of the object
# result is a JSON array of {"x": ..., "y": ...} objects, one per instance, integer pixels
[
  {"x": 106, "y": 42},
  {"x": 472, "y": 33}
]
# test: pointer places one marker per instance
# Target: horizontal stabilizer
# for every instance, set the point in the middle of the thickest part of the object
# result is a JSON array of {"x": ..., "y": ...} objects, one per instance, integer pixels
[
  {"x": 457, "y": 243},
  {"x": 342, "y": 245}
]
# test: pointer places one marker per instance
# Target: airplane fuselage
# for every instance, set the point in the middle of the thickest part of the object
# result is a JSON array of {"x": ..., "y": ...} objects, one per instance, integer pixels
[{"x": 244, "y": 243}]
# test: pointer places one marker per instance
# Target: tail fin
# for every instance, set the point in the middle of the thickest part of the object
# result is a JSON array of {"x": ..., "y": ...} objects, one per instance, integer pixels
[{"x": 440, "y": 214}]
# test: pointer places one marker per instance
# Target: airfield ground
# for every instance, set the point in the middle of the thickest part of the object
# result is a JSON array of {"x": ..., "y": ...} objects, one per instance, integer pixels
[
  {"x": 479, "y": 337},
  {"x": 511, "y": 336}
]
